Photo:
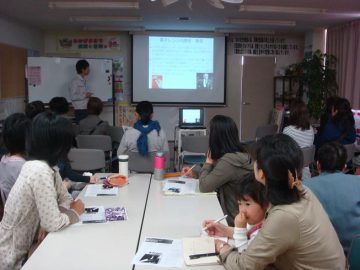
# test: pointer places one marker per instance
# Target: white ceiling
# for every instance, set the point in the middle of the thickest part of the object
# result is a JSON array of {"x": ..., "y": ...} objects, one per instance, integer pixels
[{"x": 203, "y": 16}]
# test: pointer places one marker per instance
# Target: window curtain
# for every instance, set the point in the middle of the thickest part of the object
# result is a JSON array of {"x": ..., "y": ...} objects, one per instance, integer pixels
[{"x": 344, "y": 42}]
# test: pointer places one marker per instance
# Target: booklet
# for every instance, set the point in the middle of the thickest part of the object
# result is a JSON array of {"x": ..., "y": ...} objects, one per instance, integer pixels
[
  {"x": 93, "y": 214},
  {"x": 116, "y": 213},
  {"x": 160, "y": 252},
  {"x": 200, "y": 251},
  {"x": 100, "y": 190}
]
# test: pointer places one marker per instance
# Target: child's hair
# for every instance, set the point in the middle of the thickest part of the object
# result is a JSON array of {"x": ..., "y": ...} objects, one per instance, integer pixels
[
  {"x": 16, "y": 128},
  {"x": 59, "y": 105},
  {"x": 34, "y": 108},
  {"x": 81, "y": 65},
  {"x": 224, "y": 137},
  {"x": 94, "y": 106},
  {"x": 278, "y": 155},
  {"x": 145, "y": 110},
  {"x": 50, "y": 139},
  {"x": 252, "y": 188},
  {"x": 332, "y": 157}
]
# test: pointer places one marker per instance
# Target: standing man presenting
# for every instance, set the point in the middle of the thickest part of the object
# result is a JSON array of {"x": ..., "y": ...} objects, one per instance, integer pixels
[{"x": 79, "y": 93}]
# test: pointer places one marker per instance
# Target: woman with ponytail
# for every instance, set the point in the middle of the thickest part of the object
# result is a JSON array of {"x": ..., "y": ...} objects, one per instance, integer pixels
[
  {"x": 297, "y": 233},
  {"x": 146, "y": 135}
]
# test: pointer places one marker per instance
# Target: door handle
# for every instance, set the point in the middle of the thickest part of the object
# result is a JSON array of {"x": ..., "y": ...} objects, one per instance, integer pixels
[{"x": 246, "y": 103}]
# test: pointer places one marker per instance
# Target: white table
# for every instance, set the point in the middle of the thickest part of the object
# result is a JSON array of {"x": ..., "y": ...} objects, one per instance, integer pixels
[
  {"x": 105, "y": 246},
  {"x": 177, "y": 217}
]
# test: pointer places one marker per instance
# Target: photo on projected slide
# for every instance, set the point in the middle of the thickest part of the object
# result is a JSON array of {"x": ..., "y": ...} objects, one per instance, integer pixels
[
  {"x": 204, "y": 81},
  {"x": 156, "y": 81}
]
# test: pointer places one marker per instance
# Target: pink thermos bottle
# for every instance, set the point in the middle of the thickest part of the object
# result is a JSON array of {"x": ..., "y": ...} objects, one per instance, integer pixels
[{"x": 159, "y": 166}]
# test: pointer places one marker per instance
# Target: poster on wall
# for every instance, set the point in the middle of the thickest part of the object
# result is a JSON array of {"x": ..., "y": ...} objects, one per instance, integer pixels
[
  {"x": 125, "y": 114},
  {"x": 66, "y": 43},
  {"x": 33, "y": 75}
]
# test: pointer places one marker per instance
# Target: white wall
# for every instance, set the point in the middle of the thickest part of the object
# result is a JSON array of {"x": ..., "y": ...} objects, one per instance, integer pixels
[
  {"x": 20, "y": 35},
  {"x": 315, "y": 40}
]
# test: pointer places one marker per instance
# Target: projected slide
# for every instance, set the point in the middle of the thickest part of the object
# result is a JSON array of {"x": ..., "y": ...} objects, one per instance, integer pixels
[{"x": 181, "y": 63}]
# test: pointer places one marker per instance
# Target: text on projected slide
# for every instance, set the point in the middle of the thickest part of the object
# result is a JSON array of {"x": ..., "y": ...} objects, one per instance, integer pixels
[{"x": 181, "y": 63}]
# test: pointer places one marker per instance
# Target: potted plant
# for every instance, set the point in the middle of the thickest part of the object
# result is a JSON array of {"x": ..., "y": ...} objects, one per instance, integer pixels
[{"x": 317, "y": 75}]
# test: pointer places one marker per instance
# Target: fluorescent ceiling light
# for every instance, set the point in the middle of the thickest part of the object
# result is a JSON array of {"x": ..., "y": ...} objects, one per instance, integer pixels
[
  {"x": 105, "y": 19},
  {"x": 244, "y": 31},
  {"x": 168, "y": 2},
  {"x": 114, "y": 28},
  {"x": 260, "y": 22},
  {"x": 79, "y": 5},
  {"x": 280, "y": 9},
  {"x": 233, "y": 1}
]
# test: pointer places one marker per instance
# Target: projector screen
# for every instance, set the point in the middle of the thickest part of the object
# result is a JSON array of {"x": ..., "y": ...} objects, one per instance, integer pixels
[{"x": 179, "y": 68}]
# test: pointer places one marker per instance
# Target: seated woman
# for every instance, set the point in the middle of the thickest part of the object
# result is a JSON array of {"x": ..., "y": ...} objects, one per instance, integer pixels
[
  {"x": 32, "y": 109},
  {"x": 38, "y": 197},
  {"x": 92, "y": 124},
  {"x": 339, "y": 127},
  {"x": 297, "y": 233},
  {"x": 146, "y": 136},
  {"x": 300, "y": 129},
  {"x": 226, "y": 165},
  {"x": 16, "y": 127}
]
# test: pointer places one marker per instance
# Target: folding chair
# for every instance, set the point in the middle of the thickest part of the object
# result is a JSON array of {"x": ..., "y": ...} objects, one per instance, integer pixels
[
  {"x": 194, "y": 149},
  {"x": 100, "y": 142},
  {"x": 86, "y": 159},
  {"x": 144, "y": 164},
  {"x": 265, "y": 130}
]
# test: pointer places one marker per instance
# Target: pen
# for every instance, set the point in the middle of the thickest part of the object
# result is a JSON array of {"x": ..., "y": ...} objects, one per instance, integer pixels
[
  {"x": 192, "y": 167},
  {"x": 216, "y": 221},
  {"x": 197, "y": 256}
]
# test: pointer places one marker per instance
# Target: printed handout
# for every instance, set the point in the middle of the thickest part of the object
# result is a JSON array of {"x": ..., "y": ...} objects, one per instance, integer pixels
[{"x": 160, "y": 252}]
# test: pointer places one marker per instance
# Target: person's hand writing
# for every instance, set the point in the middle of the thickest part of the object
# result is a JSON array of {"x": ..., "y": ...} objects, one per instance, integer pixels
[
  {"x": 217, "y": 229},
  {"x": 185, "y": 172},
  {"x": 241, "y": 220},
  {"x": 41, "y": 235},
  {"x": 92, "y": 180},
  {"x": 88, "y": 94},
  {"x": 209, "y": 159},
  {"x": 77, "y": 206}
]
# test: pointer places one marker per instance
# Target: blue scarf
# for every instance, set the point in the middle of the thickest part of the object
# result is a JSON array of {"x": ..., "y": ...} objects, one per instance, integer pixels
[{"x": 142, "y": 141}]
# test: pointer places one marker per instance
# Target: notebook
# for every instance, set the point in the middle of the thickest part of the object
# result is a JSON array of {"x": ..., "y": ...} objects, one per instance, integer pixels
[
  {"x": 191, "y": 118},
  {"x": 200, "y": 251}
]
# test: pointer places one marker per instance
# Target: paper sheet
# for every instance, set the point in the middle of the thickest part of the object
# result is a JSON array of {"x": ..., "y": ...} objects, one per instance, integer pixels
[
  {"x": 180, "y": 186},
  {"x": 99, "y": 190},
  {"x": 93, "y": 214},
  {"x": 160, "y": 252}
]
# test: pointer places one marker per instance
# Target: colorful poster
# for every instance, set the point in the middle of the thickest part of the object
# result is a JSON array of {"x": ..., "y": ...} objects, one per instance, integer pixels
[
  {"x": 87, "y": 43},
  {"x": 118, "y": 70},
  {"x": 125, "y": 114},
  {"x": 33, "y": 75}
]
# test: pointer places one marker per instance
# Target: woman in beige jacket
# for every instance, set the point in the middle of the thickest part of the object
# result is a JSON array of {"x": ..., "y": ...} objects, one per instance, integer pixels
[{"x": 297, "y": 233}]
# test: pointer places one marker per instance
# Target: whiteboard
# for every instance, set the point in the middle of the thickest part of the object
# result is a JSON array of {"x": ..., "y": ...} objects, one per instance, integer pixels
[{"x": 55, "y": 75}]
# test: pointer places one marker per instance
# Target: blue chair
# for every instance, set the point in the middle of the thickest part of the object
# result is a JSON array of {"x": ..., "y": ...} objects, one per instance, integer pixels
[{"x": 354, "y": 254}]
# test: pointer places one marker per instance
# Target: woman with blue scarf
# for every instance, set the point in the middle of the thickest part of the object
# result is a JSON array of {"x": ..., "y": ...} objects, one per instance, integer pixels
[{"x": 146, "y": 136}]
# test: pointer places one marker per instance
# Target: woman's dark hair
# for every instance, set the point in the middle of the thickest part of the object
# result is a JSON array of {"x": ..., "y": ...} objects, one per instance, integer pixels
[
  {"x": 276, "y": 156},
  {"x": 299, "y": 115},
  {"x": 50, "y": 139},
  {"x": 329, "y": 105},
  {"x": 344, "y": 116},
  {"x": 224, "y": 137},
  {"x": 16, "y": 128},
  {"x": 59, "y": 105},
  {"x": 94, "y": 106},
  {"x": 81, "y": 65},
  {"x": 34, "y": 108},
  {"x": 252, "y": 188},
  {"x": 332, "y": 157},
  {"x": 145, "y": 110}
]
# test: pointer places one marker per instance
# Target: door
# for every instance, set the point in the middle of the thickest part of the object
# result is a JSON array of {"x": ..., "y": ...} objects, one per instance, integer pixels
[{"x": 257, "y": 95}]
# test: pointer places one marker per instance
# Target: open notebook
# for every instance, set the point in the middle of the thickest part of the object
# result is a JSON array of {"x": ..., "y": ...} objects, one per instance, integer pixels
[{"x": 200, "y": 251}]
